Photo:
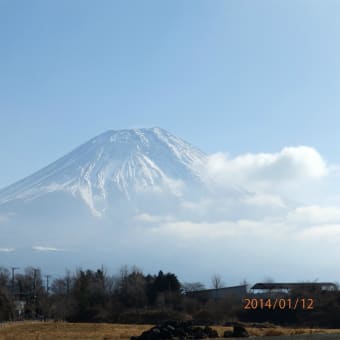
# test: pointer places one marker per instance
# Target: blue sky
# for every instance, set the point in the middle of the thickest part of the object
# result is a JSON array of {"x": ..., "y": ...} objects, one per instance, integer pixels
[{"x": 237, "y": 76}]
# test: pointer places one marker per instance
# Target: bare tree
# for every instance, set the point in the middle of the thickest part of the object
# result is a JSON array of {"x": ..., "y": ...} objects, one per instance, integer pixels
[
  {"x": 216, "y": 281},
  {"x": 191, "y": 286}
]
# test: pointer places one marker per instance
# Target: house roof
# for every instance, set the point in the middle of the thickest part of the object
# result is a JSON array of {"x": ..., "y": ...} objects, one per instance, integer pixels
[
  {"x": 291, "y": 285},
  {"x": 220, "y": 289},
  {"x": 217, "y": 290}
]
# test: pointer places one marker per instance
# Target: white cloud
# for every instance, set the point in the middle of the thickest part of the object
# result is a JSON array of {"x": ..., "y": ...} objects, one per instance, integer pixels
[
  {"x": 43, "y": 248},
  {"x": 7, "y": 250},
  {"x": 305, "y": 223},
  {"x": 247, "y": 248},
  {"x": 266, "y": 200},
  {"x": 144, "y": 217},
  {"x": 315, "y": 214},
  {"x": 325, "y": 235},
  {"x": 263, "y": 170},
  {"x": 149, "y": 218},
  {"x": 260, "y": 214},
  {"x": 223, "y": 230}
]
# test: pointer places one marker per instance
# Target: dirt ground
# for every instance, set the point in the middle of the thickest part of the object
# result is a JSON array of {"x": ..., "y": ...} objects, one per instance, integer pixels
[
  {"x": 94, "y": 331},
  {"x": 297, "y": 337}
]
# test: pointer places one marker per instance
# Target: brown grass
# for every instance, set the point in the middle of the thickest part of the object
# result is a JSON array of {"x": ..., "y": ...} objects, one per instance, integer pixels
[
  {"x": 68, "y": 331},
  {"x": 93, "y": 331},
  {"x": 276, "y": 331}
]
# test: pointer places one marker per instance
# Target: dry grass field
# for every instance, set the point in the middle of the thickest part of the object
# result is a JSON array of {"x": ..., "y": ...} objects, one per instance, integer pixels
[
  {"x": 72, "y": 331},
  {"x": 68, "y": 331}
]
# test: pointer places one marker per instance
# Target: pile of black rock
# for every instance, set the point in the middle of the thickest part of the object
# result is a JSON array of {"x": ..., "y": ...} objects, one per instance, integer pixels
[
  {"x": 186, "y": 330},
  {"x": 238, "y": 332}
]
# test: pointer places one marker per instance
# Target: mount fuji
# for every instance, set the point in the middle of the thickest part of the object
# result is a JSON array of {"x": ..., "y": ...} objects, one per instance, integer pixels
[
  {"x": 98, "y": 195},
  {"x": 136, "y": 196},
  {"x": 116, "y": 165}
]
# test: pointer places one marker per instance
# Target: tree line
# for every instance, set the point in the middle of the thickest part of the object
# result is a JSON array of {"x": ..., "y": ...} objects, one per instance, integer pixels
[
  {"x": 92, "y": 295},
  {"x": 131, "y": 296}
]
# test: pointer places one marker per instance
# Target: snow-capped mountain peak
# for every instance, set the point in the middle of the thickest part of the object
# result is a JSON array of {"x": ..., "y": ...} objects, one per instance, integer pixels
[{"x": 123, "y": 162}]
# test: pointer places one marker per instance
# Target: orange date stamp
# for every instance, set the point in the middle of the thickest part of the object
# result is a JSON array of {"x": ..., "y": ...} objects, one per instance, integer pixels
[{"x": 278, "y": 304}]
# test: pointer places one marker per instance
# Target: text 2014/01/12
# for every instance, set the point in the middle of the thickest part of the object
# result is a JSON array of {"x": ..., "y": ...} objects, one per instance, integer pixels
[{"x": 278, "y": 303}]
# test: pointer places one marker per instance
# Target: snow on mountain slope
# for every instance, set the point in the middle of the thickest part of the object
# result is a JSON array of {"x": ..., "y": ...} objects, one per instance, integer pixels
[{"x": 124, "y": 163}]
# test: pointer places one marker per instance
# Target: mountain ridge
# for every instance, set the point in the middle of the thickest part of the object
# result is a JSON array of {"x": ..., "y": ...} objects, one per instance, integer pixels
[{"x": 126, "y": 162}]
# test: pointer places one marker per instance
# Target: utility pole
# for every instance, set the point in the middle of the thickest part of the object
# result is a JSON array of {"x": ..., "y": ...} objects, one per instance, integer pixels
[
  {"x": 47, "y": 312},
  {"x": 35, "y": 270},
  {"x": 13, "y": 270},
  {"x": 47, "y": 286},
  {"x": 34, "y": 281}
]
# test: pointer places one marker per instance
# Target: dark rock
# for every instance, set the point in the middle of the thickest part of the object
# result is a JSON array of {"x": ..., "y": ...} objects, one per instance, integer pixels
[
  {"x": 199, "y": 333},
  {"x": 240, "y": 332},
  {"x": 180, "y": 332},
  {"x": 171, "y": 328},
  {"x": 211, "y": 333},
  {"x": 177, "y": 330},
  {"x": 172, "y": 323},
  {"x": 228, "y": 334}
]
